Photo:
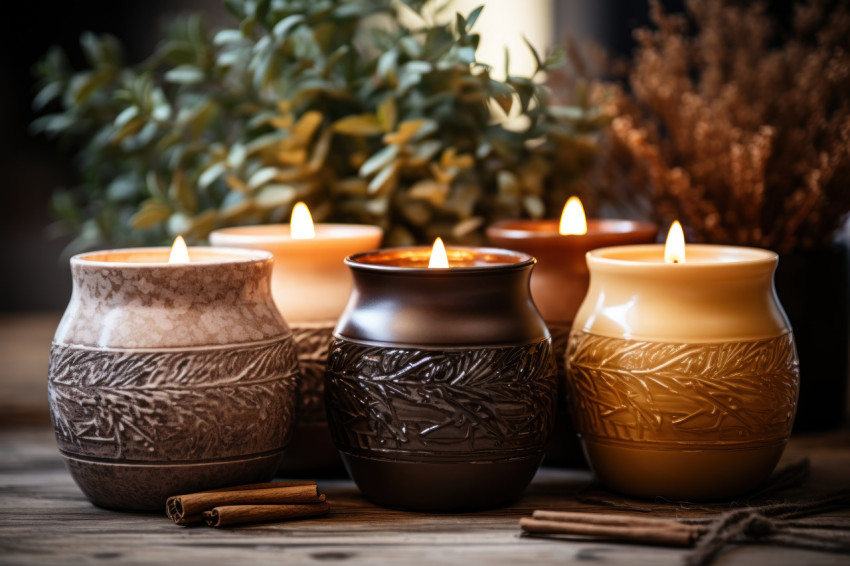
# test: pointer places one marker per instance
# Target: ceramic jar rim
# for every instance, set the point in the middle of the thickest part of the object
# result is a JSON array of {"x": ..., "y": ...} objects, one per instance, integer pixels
[
  {"x": 222, "y": 256},
  {"x": 522, "y": 229},
  {"x": 516, "y": 261},
  {"x": 733, "y": 257},
  {"x": 272, "y": 233}
]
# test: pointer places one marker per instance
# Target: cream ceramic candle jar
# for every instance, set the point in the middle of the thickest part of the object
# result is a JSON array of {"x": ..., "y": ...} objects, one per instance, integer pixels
[
  {"x": 170, "y": 378},
  {"x": 682, "y": 377},
  {"x": 310, "y": 284}
]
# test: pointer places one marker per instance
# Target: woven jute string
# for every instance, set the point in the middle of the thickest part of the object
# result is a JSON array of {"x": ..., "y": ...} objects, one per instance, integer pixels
[{"x": 773, "y": 515}]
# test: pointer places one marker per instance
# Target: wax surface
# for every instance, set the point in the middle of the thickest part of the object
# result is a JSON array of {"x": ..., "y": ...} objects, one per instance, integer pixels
[
  {"x": 159, "y": 256},
  {"x": 458, "y": 257}
]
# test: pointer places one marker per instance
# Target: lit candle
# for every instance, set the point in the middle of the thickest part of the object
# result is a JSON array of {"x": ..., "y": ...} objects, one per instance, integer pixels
[
  {"x": 171, "y": 371},
  {"x": 682, "y": 370},
  {"x": 310, "y": 284},
  {"x": 560, "y": 278},
  {"x": 440, "y": 381},
  {"x": 559, "y": 281}
]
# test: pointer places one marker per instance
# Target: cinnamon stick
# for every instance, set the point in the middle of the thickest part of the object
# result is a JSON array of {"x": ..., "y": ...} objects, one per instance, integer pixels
[
  {"x": 237, "y": 514},
  {"x": 187, "y": 509},
  {"x": 627, "y": 528},
  {"x": 610, "y": 519}
]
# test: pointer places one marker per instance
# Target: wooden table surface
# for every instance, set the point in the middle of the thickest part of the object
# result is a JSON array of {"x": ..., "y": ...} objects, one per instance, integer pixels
[{"x": 44, "y": 518}]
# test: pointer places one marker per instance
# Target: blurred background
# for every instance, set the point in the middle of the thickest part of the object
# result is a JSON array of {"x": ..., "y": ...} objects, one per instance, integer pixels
[
  {"x": 35, "y": 282},
  {"x": 35, "y": 276}
]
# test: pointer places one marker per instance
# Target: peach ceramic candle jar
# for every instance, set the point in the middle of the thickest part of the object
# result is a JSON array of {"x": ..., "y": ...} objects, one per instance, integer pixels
[
  {"x": 170, "y": 378},
  {"x": 682, "y": 378},
  {"x": 310, "y": 284}
]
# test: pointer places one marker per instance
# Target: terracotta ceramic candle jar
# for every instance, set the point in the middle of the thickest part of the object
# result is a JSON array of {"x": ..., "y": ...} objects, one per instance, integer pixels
[
  {"x": 170, "y": 378},
  {"x": 310, "y": 284},
  {"x": 441, "y": 382},
  {"x": 683, "y": 378},
  {"x": 560, "y": 279},
  {"x": 559, "y": 283}
]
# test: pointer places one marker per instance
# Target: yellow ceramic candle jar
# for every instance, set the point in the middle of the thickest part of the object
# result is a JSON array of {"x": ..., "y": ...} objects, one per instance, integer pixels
[{"x": 682, "y": 377}]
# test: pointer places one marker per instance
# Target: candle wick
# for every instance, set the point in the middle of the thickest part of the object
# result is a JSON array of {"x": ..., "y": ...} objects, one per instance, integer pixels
[{"x": 675, "y": 261}]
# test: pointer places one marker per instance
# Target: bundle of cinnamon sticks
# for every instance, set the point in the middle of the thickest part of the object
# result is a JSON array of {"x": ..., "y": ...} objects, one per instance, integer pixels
[
  {"x": 253, "y": 503},
  {"x": 626, "y": 528}
]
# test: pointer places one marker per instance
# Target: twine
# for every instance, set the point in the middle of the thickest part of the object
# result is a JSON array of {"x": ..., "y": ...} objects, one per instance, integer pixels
[
  {"x": 764, "y": 517},
  {"x": 773, "y": 524}
]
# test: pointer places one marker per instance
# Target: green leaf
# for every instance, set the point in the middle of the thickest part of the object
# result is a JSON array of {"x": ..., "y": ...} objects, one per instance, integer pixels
[
  {"x": 538, "y": 61},
  {"x": 126, "y": 115},
  {"x": 227, "y": 36},
  {"x": 384, "y": 179},
  {"x": 182, "y": 192},
  {"x": 152, "y": 213},
  {"x": 473, "y": 17},
  {"x": 274, "y": 195},
  {"x": 387, "y": 114},
  {"x": 379, "y": 160},
  {"x": 283, "y": 27},
  {"x": 185, "y": 74},
  {"x": 359, "y": 125},
  {"x": 555, "y": 59},
  {"x": 261, "y": 177},
  {"x": 211, "y": 173},
  {"x": 46, "y": 95}
]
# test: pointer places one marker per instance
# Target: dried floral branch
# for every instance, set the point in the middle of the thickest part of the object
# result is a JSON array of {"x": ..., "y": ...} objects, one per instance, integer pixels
[{"x": 742, "y": 128}]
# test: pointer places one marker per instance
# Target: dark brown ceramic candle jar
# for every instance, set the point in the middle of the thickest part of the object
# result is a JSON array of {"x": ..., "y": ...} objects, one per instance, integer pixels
[{"x": 441, "y": 383}]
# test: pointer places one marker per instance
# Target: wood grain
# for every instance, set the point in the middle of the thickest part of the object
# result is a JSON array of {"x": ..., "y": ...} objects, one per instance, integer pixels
[{"x": 44, "y": 518}]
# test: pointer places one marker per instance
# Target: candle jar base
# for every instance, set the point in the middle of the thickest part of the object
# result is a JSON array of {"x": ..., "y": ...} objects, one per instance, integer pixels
[
  {"x": 682, "y": 421},
  {"x": 444, "y": 429},
  {"x": 441, "y": 487},
  {"x": 681, "y": 473},
  {"x": 106, "y": 484},
  {"x": 311, "y": 450}
]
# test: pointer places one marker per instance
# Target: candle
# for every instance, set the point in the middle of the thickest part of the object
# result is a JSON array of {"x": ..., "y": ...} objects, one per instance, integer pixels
[
  {"x": 682, "y": 371},
  {"x": 559, "y": 282},
  {"x": 310, "y": 284},
  {"x": 440, "y": 381},
  {"x": 560, "y": 278},
  {"x": 167, "y": 377}
]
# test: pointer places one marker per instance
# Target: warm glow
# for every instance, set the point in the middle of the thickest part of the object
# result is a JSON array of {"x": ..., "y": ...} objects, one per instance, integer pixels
[
  {"x": 573, "y": 221},
  {"x": 438, "y": 255},
  {"x": 301, "y": 224},
  {"x": 674, "y": 250},
  {"x": 179, "y": 251}
]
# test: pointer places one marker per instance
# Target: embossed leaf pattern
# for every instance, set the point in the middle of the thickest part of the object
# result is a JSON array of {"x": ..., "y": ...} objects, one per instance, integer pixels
[
  {"x": 666, "y": 392},
  {"x": 171, "y": 405},
  {"x": 477, "y": 400},
  {"x": 312, "y": 344}
]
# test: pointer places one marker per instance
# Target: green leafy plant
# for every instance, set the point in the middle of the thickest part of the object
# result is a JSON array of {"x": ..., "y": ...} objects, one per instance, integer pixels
[{"x": 331, "y": 102}]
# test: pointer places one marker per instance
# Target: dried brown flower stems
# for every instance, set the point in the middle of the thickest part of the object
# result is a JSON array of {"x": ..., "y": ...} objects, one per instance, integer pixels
[{"x": 742, "y": 129}]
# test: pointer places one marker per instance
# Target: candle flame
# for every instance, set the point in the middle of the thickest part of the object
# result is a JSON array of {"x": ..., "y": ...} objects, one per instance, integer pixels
[
  {"x": 439, "y": 259},
  {"x": 573, "y": 220},
  {"x": 179, "y": 251},
  {"x": 301, "y": 223},
  {"x": 674, "y": 249}
]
